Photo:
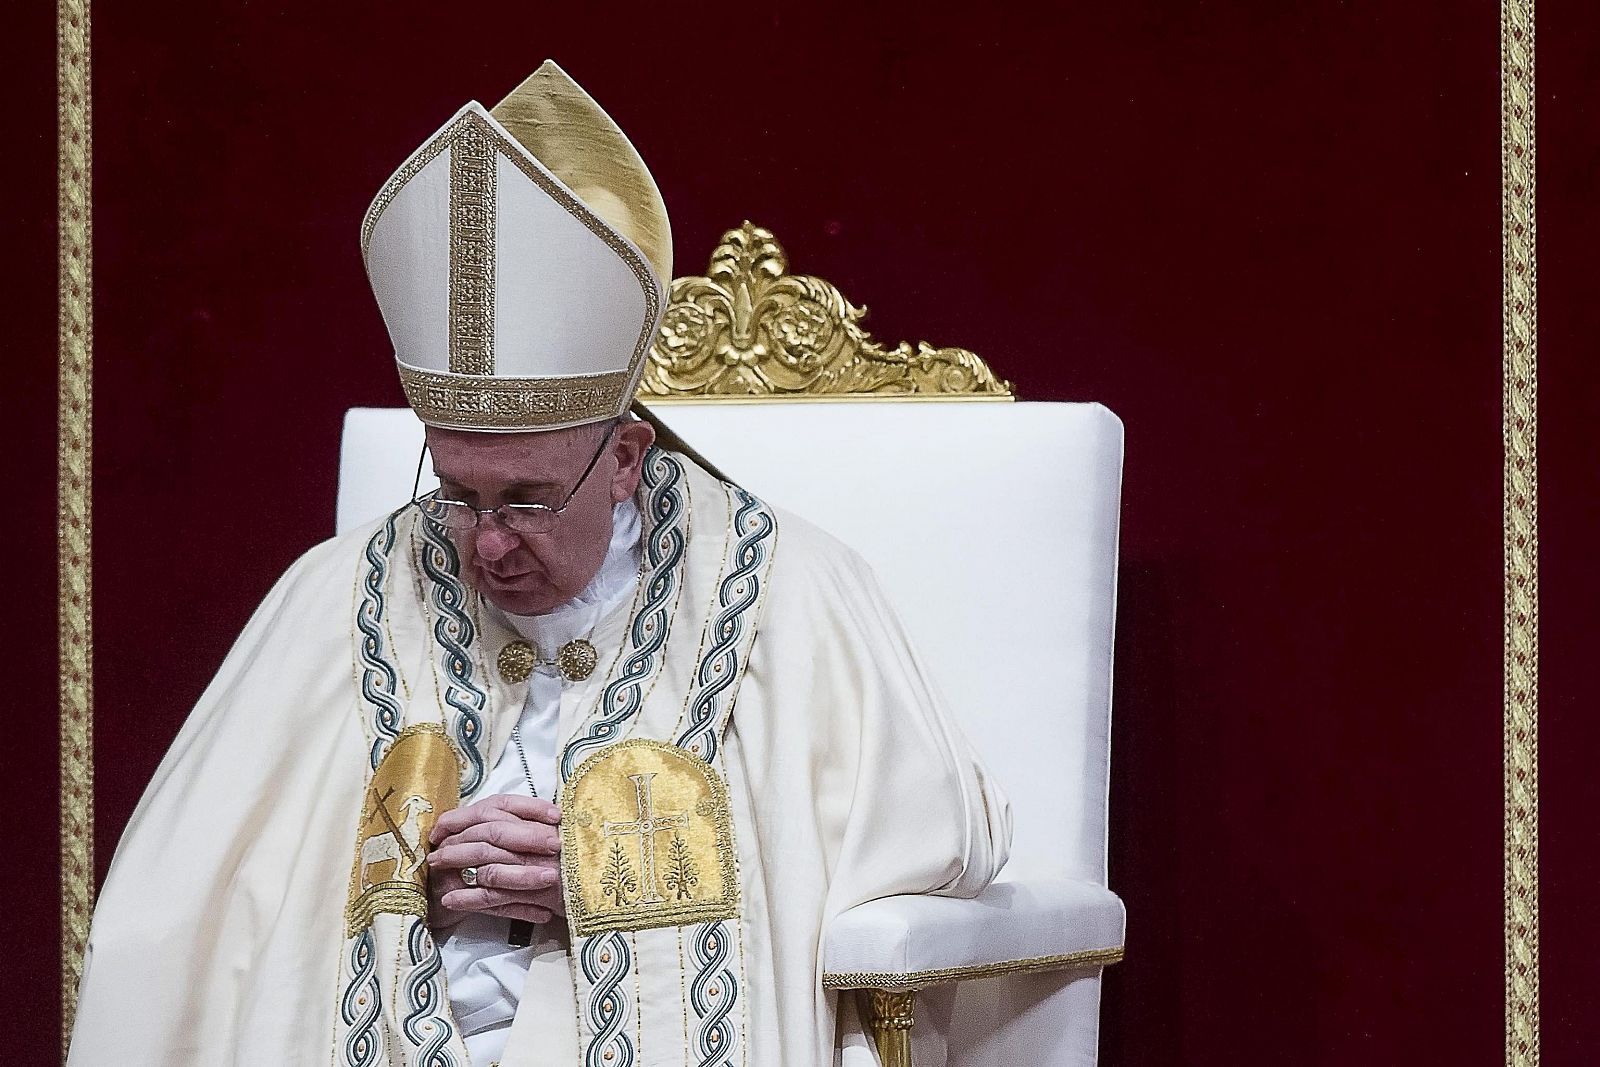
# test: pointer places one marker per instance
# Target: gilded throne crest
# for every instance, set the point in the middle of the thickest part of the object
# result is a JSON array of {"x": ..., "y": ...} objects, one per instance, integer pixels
[{"x": 749, "y": 328}]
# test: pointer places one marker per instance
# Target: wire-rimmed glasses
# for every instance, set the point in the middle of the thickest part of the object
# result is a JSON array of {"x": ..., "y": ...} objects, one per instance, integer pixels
[{"x": 518, "y": 518}]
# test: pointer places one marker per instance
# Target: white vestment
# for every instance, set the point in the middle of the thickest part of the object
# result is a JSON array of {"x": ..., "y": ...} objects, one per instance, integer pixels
[
  {"x": 485, "y": 972},
  {"x": 760, "y": 665}
]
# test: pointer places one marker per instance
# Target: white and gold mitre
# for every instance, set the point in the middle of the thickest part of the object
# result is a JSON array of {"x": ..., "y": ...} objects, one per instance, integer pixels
[{"x": 520, "y": 259}]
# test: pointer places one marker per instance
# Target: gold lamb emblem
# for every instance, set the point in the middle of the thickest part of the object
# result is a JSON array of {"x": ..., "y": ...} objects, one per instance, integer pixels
[
  {"x": 418, "y": 780},
  {"x": 646, "y": 841}
]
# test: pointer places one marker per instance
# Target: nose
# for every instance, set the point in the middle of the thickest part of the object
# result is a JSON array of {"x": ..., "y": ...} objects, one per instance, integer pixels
[{"x": 495, "y": 542}]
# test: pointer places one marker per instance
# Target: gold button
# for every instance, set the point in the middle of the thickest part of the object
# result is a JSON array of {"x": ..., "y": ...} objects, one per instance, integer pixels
[
  {"x": 516, "y": 661},
  {"x": 576, "y": 660}
]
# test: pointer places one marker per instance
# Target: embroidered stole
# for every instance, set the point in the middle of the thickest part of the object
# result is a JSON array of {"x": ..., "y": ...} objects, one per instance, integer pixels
[{"x": 649, "y": 867}]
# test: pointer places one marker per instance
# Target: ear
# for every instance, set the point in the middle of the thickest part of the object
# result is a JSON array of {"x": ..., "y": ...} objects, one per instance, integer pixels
[{"x": 629, "y": 443}]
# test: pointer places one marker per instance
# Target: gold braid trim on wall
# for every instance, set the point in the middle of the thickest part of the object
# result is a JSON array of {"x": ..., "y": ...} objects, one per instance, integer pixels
[
  {"x": 75, "y": 336},
  {"x": 1519, "y": 425},
  {"x": 749, "y": 329}
]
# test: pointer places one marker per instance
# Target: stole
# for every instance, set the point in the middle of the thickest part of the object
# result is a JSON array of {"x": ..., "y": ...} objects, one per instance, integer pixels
[{"x": 649, "y": 867}]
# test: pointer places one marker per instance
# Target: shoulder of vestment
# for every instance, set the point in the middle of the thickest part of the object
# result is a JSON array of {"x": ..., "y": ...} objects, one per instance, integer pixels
[
  {"x": 807, "y": 550},
  {"x": 314, "y": 593}
]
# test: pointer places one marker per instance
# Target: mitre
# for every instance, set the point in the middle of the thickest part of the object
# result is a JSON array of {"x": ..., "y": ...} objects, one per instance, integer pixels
[{"x": 520, "y": 258}]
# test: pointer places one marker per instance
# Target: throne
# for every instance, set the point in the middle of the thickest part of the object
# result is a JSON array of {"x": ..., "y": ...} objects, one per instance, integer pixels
[{"x": 992, "y": 526}]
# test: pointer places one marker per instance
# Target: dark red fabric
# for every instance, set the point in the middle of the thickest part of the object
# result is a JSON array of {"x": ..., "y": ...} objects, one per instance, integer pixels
[
  {"x": 30, "y": 983},
  {"x": 1267, "y": 235},
  {"x": 1569, "y": 527}
]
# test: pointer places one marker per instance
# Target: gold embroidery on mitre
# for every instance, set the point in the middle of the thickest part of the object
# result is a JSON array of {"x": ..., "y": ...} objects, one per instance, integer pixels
[
  {"x": 646, "y": 841},
  {"x": 418, "y": 780},
  {"x": 469, "y": 402},
  {"x": 562, "y": 127},
  {"x": 470, "y": 395},
  {"x": 472, "y": 231}
]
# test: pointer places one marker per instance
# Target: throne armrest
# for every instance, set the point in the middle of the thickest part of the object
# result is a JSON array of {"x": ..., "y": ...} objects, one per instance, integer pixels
[{"x": 908, "y": 942}]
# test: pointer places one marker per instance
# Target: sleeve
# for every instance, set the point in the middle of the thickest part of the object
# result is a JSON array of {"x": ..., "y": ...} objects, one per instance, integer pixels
[
  {"x": 926, "y": 816},
  {"x": 904, "y": 803},
  {"x": 217, "y": 930}
]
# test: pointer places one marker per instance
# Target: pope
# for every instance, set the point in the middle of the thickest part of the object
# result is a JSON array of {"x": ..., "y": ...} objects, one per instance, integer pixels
[{"x": 570, "y": 761}]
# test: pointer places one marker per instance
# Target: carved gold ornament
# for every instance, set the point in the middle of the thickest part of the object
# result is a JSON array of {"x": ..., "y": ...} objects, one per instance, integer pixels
[
  {"x": 890, "y": 1016},
  {"x": 749, "y": 328}
]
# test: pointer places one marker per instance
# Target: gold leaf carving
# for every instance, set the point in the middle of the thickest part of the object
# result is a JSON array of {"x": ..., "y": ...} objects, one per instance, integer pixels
[{"x": 748, "y": 328}]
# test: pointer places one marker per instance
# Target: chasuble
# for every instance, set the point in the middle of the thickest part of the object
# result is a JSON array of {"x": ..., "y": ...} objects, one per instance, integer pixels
[{"x": 758, "y": 751}]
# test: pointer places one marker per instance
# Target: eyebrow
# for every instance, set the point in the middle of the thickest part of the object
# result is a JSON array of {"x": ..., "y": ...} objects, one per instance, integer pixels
[{"x": 526, "y": 483}]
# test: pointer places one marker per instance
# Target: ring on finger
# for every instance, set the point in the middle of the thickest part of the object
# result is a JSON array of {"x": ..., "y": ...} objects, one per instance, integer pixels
[{"x": 469, "y": 875}]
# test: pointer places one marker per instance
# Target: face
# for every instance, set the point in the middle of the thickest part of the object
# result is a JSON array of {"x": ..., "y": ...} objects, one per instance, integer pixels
[{"x": 532, "y": 574}]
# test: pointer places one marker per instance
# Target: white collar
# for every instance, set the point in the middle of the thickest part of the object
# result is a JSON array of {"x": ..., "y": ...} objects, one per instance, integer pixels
[{"x": 612, "y": 585}]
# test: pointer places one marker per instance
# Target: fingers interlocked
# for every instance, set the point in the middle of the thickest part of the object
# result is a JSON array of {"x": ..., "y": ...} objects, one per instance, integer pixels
[
  {"x": 513, "y": 843},
  {"x": 502, "y": 807}
]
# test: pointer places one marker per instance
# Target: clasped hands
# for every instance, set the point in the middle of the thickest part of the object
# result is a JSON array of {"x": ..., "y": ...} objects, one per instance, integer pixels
[{"x": 514, "y": 844}]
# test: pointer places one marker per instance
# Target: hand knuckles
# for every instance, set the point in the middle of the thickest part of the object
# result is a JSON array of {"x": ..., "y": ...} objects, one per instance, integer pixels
[
  {"x": 512, "y": 838},
  {"x": 509, "y": 877}
]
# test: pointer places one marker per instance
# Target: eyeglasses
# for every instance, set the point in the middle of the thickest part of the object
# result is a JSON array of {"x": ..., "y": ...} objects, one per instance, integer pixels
[{"x": 518, "y": 518}]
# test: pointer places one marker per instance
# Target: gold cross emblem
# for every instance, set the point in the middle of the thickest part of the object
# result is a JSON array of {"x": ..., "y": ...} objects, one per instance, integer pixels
[
  {"x": 645, "y": 828},
  {"x": 670, "y": 803}
]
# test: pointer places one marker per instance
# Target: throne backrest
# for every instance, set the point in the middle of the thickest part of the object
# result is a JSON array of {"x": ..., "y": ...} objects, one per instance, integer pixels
[{"x": 992, "y": 526}]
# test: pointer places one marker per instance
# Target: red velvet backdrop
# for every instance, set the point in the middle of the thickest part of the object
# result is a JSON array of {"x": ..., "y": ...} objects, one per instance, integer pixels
[{"x": 1267, "y": 235}]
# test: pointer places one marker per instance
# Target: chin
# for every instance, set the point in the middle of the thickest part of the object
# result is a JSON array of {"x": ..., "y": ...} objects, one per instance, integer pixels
[{"x": 524, "y": 602}]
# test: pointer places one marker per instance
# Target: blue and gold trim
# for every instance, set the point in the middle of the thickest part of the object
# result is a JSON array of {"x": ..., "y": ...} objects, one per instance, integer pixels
[
  {"x": 360, "y": 1006},
  {"x": 607, "y": 962},
  {"x": 378, "y": 679},
  {"x": 738, "y": 592},
  {"x": 713, "y": 994},
  {"x": 667, "y": 514},
  {"x": 427, "y": 1023},
  {"x": 453, "y": 636}
]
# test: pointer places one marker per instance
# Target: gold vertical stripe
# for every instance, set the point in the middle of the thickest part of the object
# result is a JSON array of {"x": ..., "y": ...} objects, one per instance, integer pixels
[
  {"x": 75, "y": 335},
  {"x": 472, "y": 223},
  {"x": 1519, "y": 426}
]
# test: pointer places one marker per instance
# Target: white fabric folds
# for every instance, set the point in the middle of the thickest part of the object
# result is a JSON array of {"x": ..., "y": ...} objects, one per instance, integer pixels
[{"x": 228, "y": 931}]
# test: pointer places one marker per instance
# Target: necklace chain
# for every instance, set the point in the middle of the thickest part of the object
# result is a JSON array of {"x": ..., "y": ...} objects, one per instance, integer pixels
[
  {"x": 519, "y": 933},
  {"x": 582, "y": 658},
  {"x": 522, "y": 754}
]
